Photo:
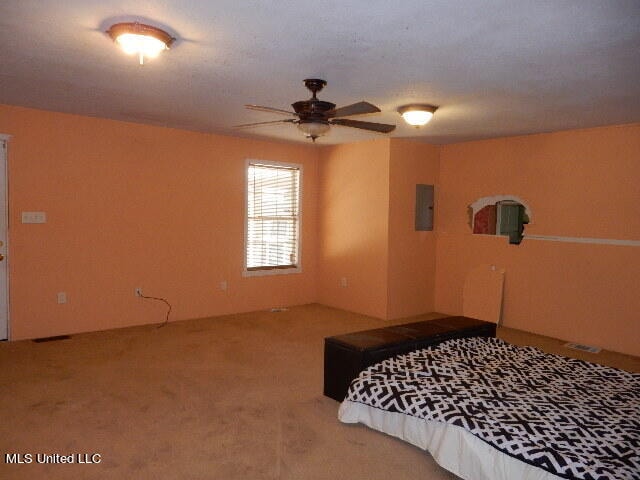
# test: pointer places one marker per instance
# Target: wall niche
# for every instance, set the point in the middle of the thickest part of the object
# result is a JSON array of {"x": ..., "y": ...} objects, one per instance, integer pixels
[{"x": 504, "y": 215}]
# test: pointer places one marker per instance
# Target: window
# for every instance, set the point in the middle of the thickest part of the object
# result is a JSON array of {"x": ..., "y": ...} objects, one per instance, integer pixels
[{"x": 273, "y": 218}]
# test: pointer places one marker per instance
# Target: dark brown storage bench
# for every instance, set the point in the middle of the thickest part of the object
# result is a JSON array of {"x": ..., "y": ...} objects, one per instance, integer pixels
[{"x": 345, "y": 356}]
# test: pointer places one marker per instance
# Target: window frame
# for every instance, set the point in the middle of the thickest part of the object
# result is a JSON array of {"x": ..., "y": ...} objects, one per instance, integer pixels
[{"x": 284, "y": 270}]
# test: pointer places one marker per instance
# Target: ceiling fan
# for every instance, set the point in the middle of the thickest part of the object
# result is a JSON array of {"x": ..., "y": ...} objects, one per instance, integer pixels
[{"x": 314, "y": 117}]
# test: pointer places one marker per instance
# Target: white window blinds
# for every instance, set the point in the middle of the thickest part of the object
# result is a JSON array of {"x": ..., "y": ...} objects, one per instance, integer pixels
[{"x": 273, "y": 199}]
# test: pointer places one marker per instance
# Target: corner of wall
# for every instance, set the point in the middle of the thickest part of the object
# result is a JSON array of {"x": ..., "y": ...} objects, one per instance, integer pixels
[
  {"x": 353, "y": 226},
  {"x": 412, "y": 254}
]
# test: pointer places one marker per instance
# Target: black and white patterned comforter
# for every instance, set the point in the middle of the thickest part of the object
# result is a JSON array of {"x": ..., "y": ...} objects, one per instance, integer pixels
[{"x": 572, "y": 418}]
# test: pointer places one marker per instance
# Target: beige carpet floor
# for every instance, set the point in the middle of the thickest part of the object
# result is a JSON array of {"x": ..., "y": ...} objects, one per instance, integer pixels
[{"x": 234, "y": 397}]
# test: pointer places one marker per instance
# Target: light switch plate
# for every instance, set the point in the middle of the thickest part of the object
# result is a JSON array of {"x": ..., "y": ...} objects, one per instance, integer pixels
[{"x": 34, "y": 217}]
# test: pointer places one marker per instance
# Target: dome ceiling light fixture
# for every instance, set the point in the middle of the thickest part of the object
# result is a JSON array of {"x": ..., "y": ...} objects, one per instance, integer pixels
[
  {"x": 140, "y": 39},
  {"x": 417, "y": 114}
]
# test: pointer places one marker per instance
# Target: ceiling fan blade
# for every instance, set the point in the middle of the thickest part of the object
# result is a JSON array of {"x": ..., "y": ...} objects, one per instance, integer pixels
[
  {"x": 359, "y": 108},
  {"x": 374, "y": 127},
  {"x": 260, "y": 108},
  {"x": 257, "y": 124}
]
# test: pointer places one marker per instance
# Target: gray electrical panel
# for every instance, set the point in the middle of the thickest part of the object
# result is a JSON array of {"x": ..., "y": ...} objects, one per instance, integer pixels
[{"x": 424, "y": 207}]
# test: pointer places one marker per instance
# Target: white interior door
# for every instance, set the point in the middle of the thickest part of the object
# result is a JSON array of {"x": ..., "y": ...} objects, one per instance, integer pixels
[{"x": 4, "y": 271}]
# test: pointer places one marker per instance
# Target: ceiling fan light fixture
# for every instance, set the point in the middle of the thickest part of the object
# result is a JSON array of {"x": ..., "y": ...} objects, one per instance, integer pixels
[
  {"x": 140, "y": 39},
  {"x": 417, "y": 115},
  {"x": 314, "y": 129},
  {"x": 314, "y": 117}
]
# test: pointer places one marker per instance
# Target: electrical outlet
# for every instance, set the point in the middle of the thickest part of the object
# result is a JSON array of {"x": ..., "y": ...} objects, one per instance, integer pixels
[
  {"x": 62, "y": 297},
  {"x": 138, "y": 292},
  {"x": 343, "y": 282},
  {"x": 224, "y": 285}
]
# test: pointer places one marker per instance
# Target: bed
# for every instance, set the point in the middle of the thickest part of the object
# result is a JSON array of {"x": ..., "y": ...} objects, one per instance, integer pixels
[{"x": 486, "y": 409}]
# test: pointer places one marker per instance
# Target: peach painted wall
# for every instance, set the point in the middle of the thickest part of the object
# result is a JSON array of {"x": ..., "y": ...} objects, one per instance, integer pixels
[
  {"x": 132, "y": 206},
  {"x": 353, "y": 226},
  {"x": 138, "y": 206},
  {"x": 581, "y": 183},
  {"x": 412, "y": 254}
]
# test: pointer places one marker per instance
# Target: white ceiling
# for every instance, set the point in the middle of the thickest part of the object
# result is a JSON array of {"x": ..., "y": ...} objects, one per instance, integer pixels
[{"x": 495, "y": 68}]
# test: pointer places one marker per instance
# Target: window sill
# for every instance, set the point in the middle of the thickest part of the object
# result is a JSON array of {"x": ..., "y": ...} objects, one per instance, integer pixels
[{"x": 270, "y": 271}]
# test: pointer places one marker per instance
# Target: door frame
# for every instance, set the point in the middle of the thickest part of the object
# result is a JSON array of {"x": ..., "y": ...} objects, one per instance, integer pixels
[{"x": 4, "y": 192}]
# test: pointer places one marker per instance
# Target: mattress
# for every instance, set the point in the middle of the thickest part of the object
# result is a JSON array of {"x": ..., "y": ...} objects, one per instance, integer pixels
[
  {"x": 488, "y": 409},
  {"x": 452, "y": 447}
]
